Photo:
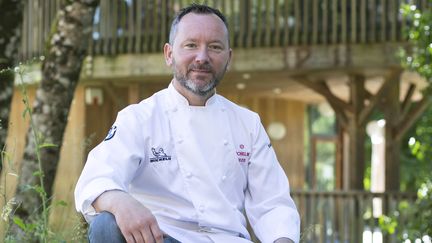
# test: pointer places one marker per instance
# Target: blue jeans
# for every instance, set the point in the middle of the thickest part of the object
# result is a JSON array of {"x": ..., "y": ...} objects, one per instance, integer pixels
[{"x": 104, "y": 229}]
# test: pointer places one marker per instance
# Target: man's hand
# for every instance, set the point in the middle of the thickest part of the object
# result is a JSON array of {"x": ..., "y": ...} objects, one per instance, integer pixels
[
  {"x": 283, "y": 240},
  {"x": 135, "y": 221}
]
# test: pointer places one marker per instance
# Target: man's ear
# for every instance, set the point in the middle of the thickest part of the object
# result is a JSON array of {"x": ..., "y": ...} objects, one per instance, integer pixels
[
  {"x": 229, "y": 58},
  {"x": 168, "y": 54}
]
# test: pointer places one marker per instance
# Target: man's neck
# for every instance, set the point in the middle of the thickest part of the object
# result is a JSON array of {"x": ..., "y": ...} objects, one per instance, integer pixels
[{"x": 192, "y": 98}]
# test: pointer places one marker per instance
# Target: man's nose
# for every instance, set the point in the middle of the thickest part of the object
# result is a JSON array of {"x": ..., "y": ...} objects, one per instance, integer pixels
[{"x": 202, "y": 56}]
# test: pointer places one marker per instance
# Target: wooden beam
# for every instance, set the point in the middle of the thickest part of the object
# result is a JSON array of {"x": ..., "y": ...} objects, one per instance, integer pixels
[
  {"x": 339, "y": 106},
  {"x": 322, "y": 88},
  {"x": 110, "y": 91},
  {"x": 407, "y": 100},
  {"x": 367, "y": 111},
  {"x": 408, "y": 120}
]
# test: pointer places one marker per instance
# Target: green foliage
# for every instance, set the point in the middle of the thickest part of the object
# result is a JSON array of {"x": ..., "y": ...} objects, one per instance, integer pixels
[
  {"x": 419, "y": 215},
  {"x": 419, "y": 34},
  {"x": 416, "y": 155}
]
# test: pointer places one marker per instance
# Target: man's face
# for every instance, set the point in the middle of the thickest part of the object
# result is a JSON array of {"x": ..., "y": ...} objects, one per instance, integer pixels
[{"x": 200, "y": 53}]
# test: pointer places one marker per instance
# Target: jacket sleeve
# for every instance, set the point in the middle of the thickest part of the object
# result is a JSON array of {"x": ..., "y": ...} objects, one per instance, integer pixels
[
  {"x": 268, "y": 204},
  {"x": 112, "y": 164}
]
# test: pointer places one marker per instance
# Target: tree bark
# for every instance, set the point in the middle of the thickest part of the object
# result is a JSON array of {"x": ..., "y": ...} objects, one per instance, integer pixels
[
  {"x": 61, "y": 68},
  {"x": 10, "y": 23}
]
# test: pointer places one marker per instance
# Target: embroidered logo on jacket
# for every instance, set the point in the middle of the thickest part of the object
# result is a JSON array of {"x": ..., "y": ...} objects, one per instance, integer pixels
[
  {"x": 111, "y": 133},
  {"x": 243, "y": 156},
  {"x": 160, "y": 155}
]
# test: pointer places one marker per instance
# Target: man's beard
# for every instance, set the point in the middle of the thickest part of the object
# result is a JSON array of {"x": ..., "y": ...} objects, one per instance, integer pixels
[{"x": 186, "y": 81}]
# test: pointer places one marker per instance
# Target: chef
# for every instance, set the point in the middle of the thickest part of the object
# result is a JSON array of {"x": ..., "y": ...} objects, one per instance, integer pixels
[{"x": 186, "y": 164}]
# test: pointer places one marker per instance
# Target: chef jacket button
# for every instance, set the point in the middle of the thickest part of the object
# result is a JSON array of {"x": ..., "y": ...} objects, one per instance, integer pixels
[
  {"x": 225, "y": 142},
  {"x": 174, "y": 109},
  {"x": 188, "y": 175},
  {"x": 222, "y": 109},
  {"x": 201, "y": 208},
  {"x": 223, "y": 178},
  {"x": 180, "y": 141}
]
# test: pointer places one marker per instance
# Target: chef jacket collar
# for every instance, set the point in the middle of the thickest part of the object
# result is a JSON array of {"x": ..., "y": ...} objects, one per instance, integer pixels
[{"x": 181, "y": 100}]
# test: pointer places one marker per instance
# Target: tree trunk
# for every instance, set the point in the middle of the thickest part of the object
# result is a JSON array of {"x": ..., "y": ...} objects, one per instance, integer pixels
[
  {"x": 10, "y": 23},
  {"x": 61, "y": 68}
]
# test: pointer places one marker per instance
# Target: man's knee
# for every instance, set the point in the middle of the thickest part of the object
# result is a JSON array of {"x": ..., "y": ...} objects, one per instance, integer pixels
[{"x": 104, "y": 228}]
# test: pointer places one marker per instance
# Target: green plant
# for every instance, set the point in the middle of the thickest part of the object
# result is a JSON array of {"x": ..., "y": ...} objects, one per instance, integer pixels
[
  {"x": 37, "y": 227},
  {"x": 418, "y": 217}
]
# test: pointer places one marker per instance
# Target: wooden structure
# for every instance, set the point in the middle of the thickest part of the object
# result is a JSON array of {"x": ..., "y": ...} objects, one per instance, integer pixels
[{"x": 287, "y": 54}]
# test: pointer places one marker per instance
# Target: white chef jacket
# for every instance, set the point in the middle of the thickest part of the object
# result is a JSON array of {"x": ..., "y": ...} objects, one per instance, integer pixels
[{"x": 197, "y": 168}]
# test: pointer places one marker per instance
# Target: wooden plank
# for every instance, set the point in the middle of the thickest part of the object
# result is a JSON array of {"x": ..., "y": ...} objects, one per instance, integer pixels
[
  {"x": 353, "y": 21},
  {"x": 286, "y": 17},
  {"x": 315, "y": 17},
  {"x": 305, "y": 23},
  {"x": 393, "y": 19},
  {"x": 242, "y": 25},
  {"x": 163, "y": 27},
  {"x": 155, "y": 28},
  {"x": 335, "y": 22},
  {"x": 250, "y": 17},
  {"x": 232, "y": 23},
  {"x": 104, "y": 31},
  {"x": 122, "y": 33},
  {"x": 383, "y": 21},
  {"x": 146, "y": 42},
  {"x": 297, "y": 23},
  {"x": 363, "y": 22},
  {"x": 276, "y": 20},
  {"x": 259, "y": 24},
  {"x": 113, "y": 15},
  {"x": 24, "y": 31},
  {"x": 373, "y": 29},
  {"x": 268, "y": 25},
  {"x": 138, "y": 26},
  {"x": 130, "y": 26},
  {"x": 325, "y": 27},
  {"x": 344, "y": 24}
]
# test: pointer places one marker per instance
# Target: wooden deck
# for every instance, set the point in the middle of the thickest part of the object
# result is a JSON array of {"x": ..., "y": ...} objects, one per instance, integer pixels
[{"x": 138, "y": 26}]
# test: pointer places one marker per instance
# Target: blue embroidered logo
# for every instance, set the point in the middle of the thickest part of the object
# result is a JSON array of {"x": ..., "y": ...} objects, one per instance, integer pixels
[
  {"x": 160, "y": 155},
  {"x": 111, "y": 133}
]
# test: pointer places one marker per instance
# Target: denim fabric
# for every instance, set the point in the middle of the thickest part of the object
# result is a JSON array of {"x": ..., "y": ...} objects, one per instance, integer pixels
[{"x": 104, "y": 229}]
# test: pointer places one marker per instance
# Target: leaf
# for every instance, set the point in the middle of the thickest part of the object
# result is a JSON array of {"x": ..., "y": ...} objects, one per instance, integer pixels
[
  {"x": 20, "y": 223},
  {"x": 61, "y": 203},
  {"x": 37, "y": 173},
  {"x": 48, "y": 145}
]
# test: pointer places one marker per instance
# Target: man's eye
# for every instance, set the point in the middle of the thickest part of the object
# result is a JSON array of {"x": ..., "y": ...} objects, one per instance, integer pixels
[
  {"x": 215, "y": 47},
  {"x": 190, "y": 45}
]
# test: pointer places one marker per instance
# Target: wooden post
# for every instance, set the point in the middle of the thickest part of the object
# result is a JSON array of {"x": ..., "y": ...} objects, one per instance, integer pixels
[
  {"x": 391, "y": 115},
  {"x": 356, "y": 133}
]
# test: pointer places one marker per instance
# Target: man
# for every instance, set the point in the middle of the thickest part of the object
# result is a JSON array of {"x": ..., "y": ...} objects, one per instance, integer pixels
[{"x": 185, "y": 164}]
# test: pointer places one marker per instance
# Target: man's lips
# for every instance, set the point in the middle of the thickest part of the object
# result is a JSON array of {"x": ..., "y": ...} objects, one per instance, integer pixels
[{"x": 201, "y": 70}]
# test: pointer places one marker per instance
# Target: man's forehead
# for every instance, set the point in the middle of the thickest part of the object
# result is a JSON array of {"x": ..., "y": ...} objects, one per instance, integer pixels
[{"x": 192, "y": 18}]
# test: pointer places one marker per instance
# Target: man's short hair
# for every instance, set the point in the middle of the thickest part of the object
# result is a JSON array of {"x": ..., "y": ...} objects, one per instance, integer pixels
[{"x": 193, "y": 8}]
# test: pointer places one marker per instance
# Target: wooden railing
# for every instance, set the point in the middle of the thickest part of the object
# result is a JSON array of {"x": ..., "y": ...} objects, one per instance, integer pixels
[
  {"x": 141, "y": 26},
  {"x": 345, "y": 216}
]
